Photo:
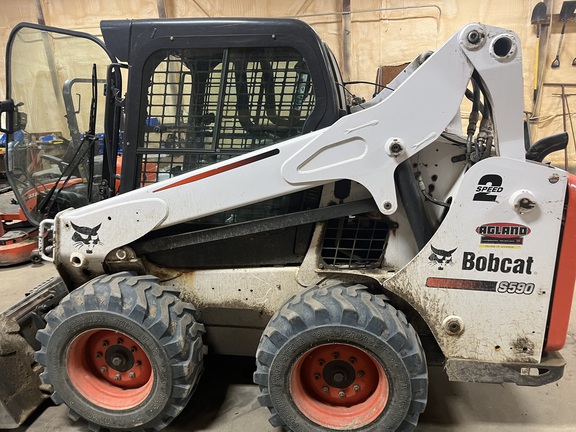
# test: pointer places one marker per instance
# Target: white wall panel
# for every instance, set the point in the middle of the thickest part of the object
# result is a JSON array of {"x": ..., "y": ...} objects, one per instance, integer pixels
[{"x": 391, "y": 36}]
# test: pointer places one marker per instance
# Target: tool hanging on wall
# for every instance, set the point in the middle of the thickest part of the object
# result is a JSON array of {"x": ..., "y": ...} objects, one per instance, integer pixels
[
  {"x": 566, "y": 13},
  {"x": 539, "y": 17},
  {"x": 566, "y": 114}
]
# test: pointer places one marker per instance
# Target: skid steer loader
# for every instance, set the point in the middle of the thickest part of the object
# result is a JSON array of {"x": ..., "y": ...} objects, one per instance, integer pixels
[{"x": 257, "y": 213}]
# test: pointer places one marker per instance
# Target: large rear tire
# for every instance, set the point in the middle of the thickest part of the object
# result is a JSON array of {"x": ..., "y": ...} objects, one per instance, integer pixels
[
  {"x": 340, "y": 358},
  {"x": 122, "y": 352}
]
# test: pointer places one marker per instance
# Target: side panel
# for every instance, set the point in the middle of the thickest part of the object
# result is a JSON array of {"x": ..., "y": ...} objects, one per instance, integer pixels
[{"x": 484, "y": 281}]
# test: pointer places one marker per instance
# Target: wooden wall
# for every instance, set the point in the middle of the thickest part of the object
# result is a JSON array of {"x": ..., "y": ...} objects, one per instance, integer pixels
[{"x": 396, "y": 32}]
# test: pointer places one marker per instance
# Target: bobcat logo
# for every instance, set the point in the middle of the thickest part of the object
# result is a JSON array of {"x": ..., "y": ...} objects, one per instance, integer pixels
[
  {"x": 441, "y": 258},
  {"x": 86, "y": 236}
]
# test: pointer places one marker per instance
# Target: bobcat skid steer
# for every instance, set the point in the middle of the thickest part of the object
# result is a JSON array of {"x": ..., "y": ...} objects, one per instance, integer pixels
[{"x": 256, "y": 213}]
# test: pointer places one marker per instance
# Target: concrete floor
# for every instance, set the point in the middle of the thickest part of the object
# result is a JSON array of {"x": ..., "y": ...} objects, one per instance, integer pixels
[{"x": 226, "y": 398}]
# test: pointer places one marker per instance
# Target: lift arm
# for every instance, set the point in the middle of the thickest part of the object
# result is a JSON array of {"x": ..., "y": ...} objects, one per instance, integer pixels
[{"x": 365, "y": 147}]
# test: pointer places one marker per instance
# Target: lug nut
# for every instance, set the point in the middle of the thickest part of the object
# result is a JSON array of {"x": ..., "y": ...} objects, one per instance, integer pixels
[
  {"x": 352, "y": 360},
  {"x": 98, "y": 354},
  {"x": 133, "y": 349},
  {"x": 138, "y": 363},
  {"x": 117, "y": 377},
  {"x": 105, "y": 343},
  {"x": 103, "y": 369},
  {"x": 325, "y": 389},
  {"x": 335, "y": 355},
  {"x": 132, "y": 375},
  {"x": 321, "y": 362},
  {"x": 316, "y": 376},
  {"x": 360, "y": 374},
  {"x": 342, "y": 394},
  {"x": 356, "y": 387},
  {"x": 120, "y": 341}
]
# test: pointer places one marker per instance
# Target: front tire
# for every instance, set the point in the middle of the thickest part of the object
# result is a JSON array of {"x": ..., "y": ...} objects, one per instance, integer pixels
[
  {"x": 122, "y": 352},
  {"x": 340, "y": 358}
]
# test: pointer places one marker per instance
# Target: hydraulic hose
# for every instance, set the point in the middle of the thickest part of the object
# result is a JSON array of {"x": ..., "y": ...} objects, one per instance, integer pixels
[{"x": 410, "y": 194}]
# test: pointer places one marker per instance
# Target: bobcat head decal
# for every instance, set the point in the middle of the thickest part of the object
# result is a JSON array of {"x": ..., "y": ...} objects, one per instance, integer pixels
[
  {"x": 86, "y": 236},
  {"x": 441, "y": 258}
]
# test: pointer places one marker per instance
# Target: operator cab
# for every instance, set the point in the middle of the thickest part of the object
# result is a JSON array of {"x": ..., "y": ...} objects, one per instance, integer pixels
[{"x": 203, "y": 91}]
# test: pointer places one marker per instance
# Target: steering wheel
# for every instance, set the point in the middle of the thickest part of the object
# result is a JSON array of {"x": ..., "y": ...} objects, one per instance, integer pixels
[{"x": 61, "y": 164}]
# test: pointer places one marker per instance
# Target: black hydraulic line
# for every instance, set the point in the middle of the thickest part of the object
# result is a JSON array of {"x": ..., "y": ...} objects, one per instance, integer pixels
[
  {"x": 475, "y": 112},
  {"x": 470, "y": 96},
  {"x": 411, "y": 196}
]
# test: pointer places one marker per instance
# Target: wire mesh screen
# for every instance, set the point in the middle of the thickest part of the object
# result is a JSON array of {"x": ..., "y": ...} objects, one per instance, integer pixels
[
  {"x": 207, "y": 105},
  {"x": 354, "y": 242}
]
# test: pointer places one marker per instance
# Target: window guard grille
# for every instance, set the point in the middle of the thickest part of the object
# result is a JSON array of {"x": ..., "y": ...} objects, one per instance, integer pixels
[{"x": 205, "y": 106}]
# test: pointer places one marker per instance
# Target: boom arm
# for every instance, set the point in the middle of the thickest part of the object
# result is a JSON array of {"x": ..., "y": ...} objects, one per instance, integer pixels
[{"x": 365, "y": 147}]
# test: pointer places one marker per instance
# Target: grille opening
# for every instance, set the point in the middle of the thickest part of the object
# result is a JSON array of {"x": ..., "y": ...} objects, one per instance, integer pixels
[{"x": 354, "y": 242}]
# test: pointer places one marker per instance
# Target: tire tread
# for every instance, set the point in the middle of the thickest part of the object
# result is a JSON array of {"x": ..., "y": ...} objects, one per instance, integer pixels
[
  {"x": 350, "y": 306},
  {"x": 142, "y": 300}
]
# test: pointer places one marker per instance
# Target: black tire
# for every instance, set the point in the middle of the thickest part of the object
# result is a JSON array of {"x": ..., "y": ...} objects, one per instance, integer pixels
[
  {"x": 35, "y": 257},
  {"x": 340, "y": 358},
  {"x": 123, "y": 353}
]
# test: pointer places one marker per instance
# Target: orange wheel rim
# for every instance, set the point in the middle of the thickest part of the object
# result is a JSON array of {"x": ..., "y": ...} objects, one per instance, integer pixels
[
  {"x": 109, "y": 369},
  {"x": 339, "y": 385}
]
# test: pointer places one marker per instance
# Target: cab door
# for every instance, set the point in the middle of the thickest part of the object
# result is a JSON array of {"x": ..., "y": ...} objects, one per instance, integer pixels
[{"x": 54, "y": 118}]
